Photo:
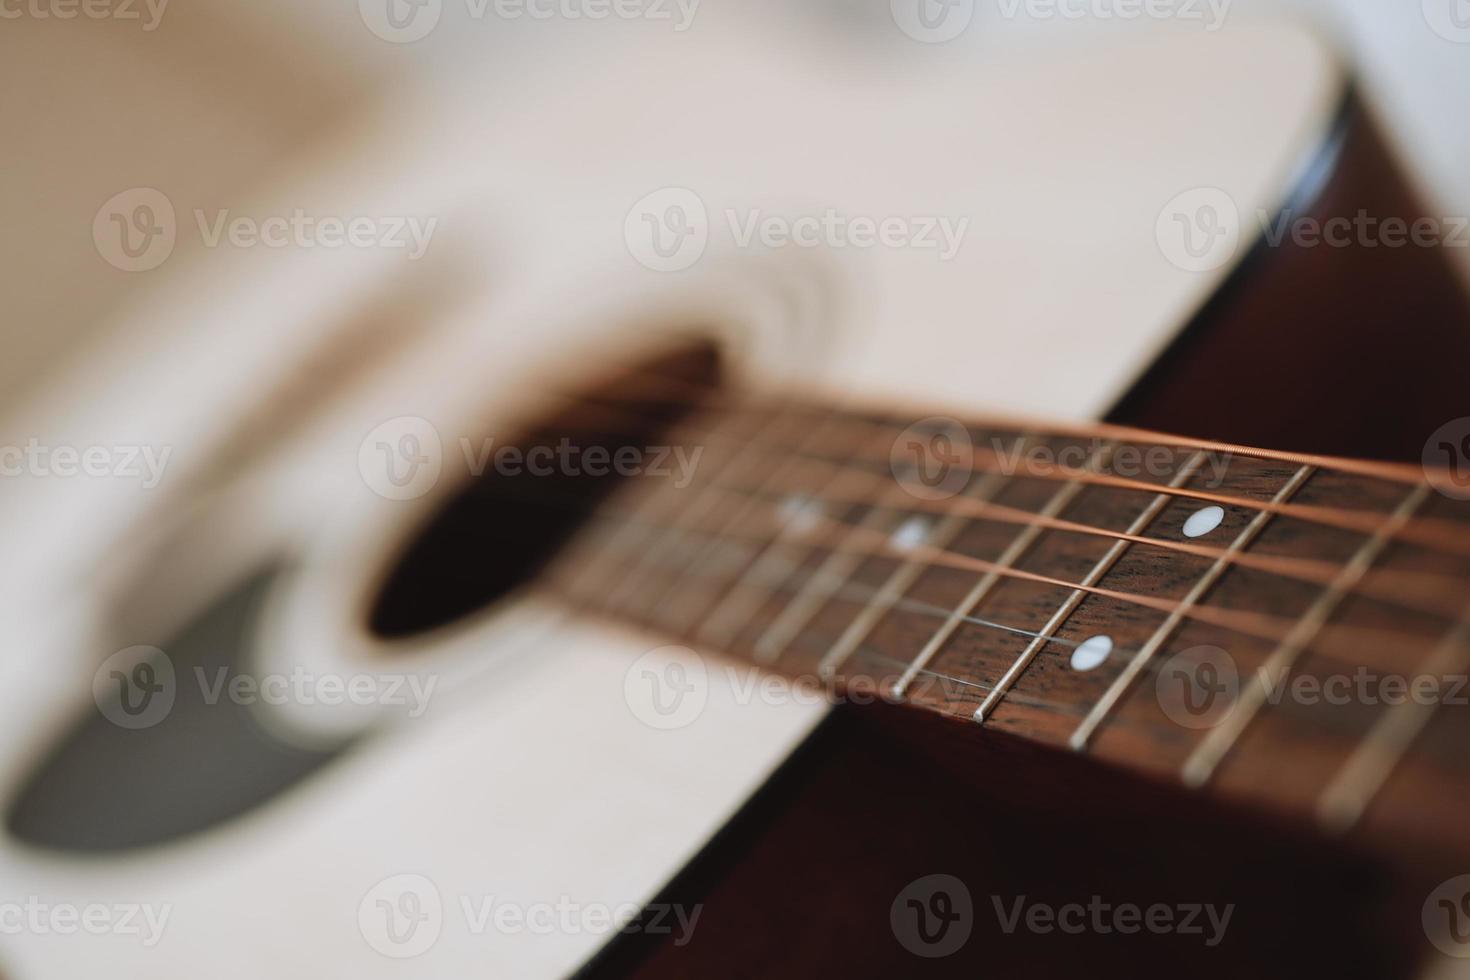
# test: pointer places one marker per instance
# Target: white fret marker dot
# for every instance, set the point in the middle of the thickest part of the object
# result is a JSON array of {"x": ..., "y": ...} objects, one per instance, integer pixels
[
  {"x": 1203, "y": 521},
  {"x": 801, "y": 514},
  {"x": 910, "y": 534},
  {"x": 1091, "y": 652}
]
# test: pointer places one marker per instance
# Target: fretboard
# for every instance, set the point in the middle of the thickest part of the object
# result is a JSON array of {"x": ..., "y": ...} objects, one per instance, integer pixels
[{"x": 1284, "y": 629}]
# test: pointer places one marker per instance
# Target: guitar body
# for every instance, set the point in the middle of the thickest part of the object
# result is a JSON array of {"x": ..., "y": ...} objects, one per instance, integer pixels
[
  {"x": 882, "y": 797},
  {"x": 308, "y": 838}
]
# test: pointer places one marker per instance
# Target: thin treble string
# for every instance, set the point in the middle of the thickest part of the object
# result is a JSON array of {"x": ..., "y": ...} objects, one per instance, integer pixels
[{"x": 1395, "y": 472}]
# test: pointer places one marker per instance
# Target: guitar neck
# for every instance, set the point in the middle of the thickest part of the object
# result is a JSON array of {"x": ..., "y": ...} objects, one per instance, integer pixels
[{"x": 1285, "y": 629}]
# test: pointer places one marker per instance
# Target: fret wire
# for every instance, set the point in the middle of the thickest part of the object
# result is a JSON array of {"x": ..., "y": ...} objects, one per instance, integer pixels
[
  {"x": 694, "y": 511},
  {"x": 1202, "y": 763},
  {"x": 1016, "y": 550},
  {"x": 607, "y": 550},
  {"x": 688, "y": 611},
  {"x": 1134, "y": 667},
  {"x": 906, "y": 574},
  {"x": 609, "y": 544},
  {"x": 729, "y": 615},
  {"x": 1364, "y": 772},
  {"x": 858, "y": 592},
  {"x": 1074, "y": 599},
  {"x": 837, "y": 567},
  {"x": 888, "y": 595},
  {"x": 755, "y": 586}
]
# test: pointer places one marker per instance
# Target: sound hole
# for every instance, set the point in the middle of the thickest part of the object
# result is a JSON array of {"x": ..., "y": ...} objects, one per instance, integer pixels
[{"x": 507, "y": 523}]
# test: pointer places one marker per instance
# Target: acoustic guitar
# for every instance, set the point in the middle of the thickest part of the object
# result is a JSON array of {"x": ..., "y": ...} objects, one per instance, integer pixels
[{"x": 794, "y": 517}]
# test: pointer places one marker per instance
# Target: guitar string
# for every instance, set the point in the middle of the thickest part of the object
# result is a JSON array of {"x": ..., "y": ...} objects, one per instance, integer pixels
[
  {"x": 1447, "y": 536},
  {"x": 1256, "y": 625},
  {"x": 856, "y": 592},
  {"x": 1410, "y": 589},
  {"x": 731, "y": 398},
  {"x": 924, "y": 608},
  {"x": 1301, "y": 567},
  {"x": 1401, "y": 587}
]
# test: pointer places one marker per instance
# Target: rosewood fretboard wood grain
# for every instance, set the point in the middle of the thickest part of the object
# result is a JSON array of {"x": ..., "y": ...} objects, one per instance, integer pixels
[{"x": 1282, "y": 630}]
